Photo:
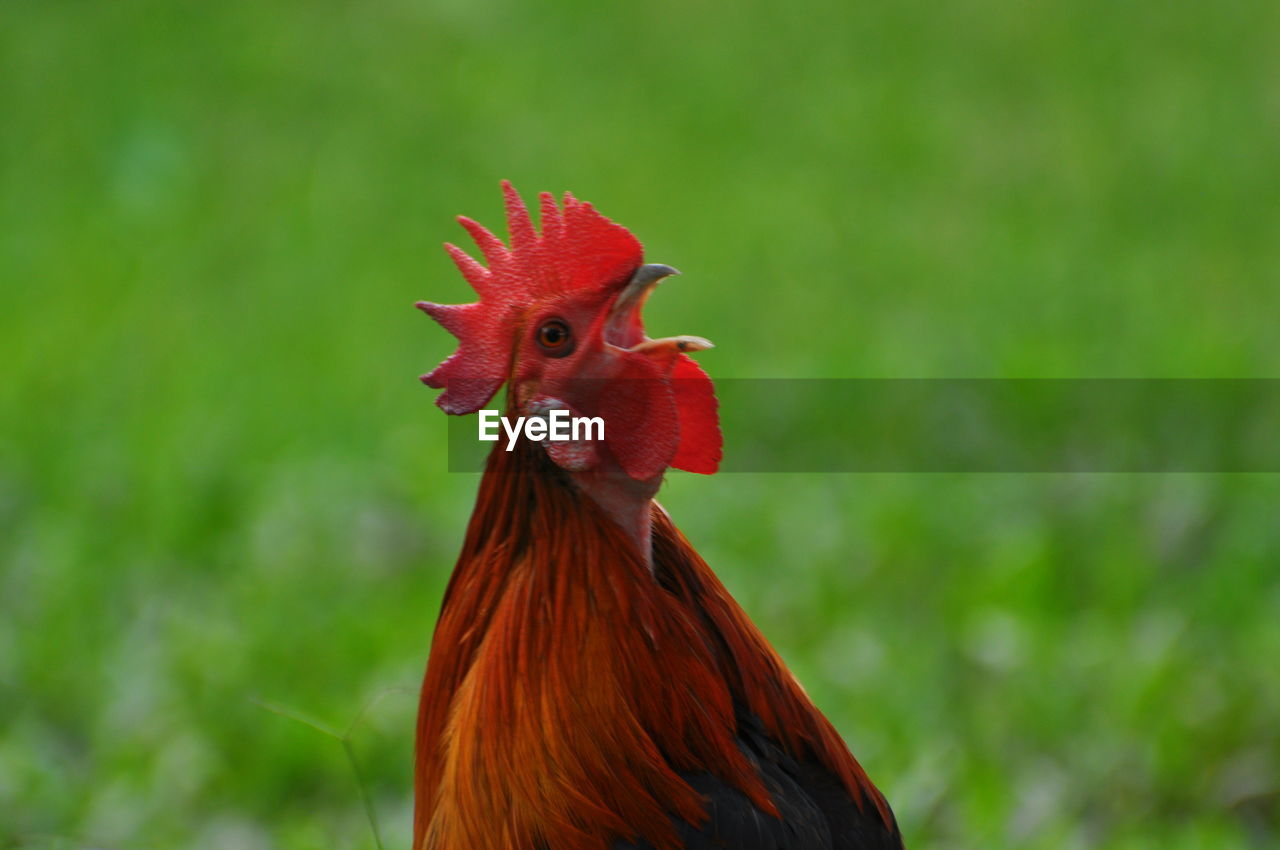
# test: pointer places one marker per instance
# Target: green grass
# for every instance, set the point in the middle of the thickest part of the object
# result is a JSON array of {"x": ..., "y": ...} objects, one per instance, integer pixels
[{"x": 221, "y": 485}]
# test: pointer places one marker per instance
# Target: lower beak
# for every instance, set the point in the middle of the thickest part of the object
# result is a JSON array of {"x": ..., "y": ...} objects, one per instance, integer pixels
[{"x": 624, "y": 327}]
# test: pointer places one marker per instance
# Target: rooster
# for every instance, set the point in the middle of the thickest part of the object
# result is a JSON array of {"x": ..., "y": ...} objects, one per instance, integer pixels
[{"x": 591, "y": 683}]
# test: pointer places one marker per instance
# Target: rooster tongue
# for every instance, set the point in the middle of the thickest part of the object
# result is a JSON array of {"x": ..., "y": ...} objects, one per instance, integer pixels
[{"x": 624, "y": 327}]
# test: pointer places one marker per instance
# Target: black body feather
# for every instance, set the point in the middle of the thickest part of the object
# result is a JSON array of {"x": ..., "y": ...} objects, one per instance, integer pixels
[{"x": 816, "y": 811}]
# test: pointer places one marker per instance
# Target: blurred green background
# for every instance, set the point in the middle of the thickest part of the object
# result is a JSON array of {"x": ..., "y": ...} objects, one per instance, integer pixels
[{"x": 222, "y": 486}]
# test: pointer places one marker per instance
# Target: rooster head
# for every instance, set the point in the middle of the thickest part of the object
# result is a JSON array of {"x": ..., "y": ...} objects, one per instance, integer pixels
[{"x": 559, "y": 321}]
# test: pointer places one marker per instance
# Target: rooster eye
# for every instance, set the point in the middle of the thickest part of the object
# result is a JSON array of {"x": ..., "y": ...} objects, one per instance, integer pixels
[{"x": 555, "y": 338}]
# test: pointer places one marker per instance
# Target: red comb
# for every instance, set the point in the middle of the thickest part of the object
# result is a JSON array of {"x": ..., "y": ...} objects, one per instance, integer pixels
[{"x": 577, "y": 249}]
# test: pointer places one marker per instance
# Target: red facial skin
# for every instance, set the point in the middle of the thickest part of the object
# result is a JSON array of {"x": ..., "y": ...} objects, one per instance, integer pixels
[
  {"x": 586, "y": 658},
  {"x": 585, "y": 275}
]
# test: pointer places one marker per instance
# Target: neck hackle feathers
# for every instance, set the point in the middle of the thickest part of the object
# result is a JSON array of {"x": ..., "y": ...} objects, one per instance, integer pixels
[
  {"x": 571, "y": 690},
  {"x": 578, "y": 683}
]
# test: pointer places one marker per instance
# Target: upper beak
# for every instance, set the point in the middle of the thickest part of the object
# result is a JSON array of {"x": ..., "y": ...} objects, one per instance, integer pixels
[{"x": 624, "y": 327}]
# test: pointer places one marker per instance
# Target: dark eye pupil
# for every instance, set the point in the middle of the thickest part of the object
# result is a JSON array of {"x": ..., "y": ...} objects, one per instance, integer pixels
[{"x": 554, "y": 338}]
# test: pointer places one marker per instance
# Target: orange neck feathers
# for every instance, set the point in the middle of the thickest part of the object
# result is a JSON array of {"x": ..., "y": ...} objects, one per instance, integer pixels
[{"x": 568, "y": 685}]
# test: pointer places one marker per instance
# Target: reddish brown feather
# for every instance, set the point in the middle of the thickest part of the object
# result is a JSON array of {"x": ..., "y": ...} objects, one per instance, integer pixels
[{"x": 567, "y": 686}]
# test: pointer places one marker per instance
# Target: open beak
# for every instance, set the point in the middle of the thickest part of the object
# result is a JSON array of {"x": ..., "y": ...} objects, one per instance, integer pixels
[{"x": 624, "y": 326}]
